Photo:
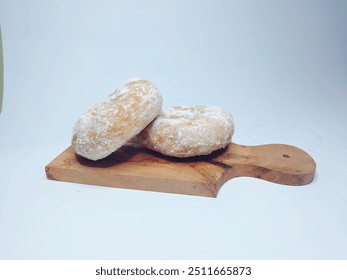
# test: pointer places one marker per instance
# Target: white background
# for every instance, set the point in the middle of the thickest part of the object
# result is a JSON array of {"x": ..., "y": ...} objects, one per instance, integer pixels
[{"x": 279, "y": 67}]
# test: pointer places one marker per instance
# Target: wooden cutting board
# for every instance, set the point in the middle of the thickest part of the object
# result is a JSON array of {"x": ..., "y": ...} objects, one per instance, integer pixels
[{"x": 135, "y": 167}]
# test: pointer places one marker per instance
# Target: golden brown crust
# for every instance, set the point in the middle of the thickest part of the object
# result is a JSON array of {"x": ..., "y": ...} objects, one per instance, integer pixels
[
  {"x": 188, "y": 131},
  {"x": 109, "y": 124}
]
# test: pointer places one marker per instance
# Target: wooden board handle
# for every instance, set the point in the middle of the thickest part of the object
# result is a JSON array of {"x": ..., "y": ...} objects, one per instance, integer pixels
[{"x": 277, "y": 163}]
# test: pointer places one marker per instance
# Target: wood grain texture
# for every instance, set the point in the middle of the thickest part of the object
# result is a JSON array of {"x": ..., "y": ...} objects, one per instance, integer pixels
[{"x": 135, "y": 167}]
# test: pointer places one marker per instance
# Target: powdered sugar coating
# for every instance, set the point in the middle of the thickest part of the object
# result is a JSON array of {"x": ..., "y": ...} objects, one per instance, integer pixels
[
  {"x": 120, "y": 116},
  {"x": 188, "y": 131}
]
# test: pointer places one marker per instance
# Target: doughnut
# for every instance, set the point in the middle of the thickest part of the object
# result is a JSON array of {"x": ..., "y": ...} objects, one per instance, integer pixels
[
  {"x": 119, "y": 117},
  {"x": 188, "y": 131}
]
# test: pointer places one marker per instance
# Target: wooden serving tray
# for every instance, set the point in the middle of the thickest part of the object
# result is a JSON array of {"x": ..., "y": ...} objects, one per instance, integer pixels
[{"x": 135, "y": 167}]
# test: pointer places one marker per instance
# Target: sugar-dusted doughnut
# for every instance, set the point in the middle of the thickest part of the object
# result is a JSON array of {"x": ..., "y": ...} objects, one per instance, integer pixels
[
  {"x": 188, "y": 131},
  {"x": 120, "y": 116}
]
